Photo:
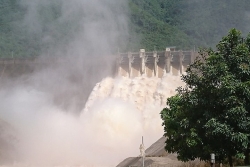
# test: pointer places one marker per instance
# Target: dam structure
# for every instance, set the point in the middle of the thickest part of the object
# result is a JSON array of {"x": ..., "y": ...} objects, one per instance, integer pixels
[
  {"x": 154, "y": 64},
  {"x": 65, "y": 99},
  {"x": 130, "y": 64}
]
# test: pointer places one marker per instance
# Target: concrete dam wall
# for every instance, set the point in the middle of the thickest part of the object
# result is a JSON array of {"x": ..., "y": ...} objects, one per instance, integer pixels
[
  {"x": 154, "y": 64},
  {"x": 130, "y": 64}
]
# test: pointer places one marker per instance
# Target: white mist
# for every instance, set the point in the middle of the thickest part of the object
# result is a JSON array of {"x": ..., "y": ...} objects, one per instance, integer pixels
[{"x": 109, "y": 129}]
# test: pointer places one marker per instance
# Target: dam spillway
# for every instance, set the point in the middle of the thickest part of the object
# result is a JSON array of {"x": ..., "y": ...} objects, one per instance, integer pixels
[
  {"x": 154, "y": 64},
  {"x": 119, "y": 109}
]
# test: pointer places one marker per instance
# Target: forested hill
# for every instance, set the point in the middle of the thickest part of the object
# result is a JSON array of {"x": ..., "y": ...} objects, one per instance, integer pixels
[
  {"x": 188, "y": 23},
  {"x": 154, "y": 24}
]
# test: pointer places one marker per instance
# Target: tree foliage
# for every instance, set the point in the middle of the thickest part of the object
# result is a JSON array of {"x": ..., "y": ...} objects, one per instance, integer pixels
[{"x": 211, "y": 114}]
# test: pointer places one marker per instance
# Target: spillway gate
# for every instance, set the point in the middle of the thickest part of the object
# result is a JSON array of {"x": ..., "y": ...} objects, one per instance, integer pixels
[{"x": 154, "y": 64}]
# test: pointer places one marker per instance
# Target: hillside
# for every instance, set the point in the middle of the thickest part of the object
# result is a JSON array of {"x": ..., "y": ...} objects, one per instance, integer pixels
[
  {"x": 153, "y": 24},
  {"x": 187, "y": 23},
  {"x": 147, "y": 21}
]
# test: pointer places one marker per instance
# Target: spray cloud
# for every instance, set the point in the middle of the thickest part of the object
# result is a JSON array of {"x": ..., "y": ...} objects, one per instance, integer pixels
[{"x": 51, "y": 126}]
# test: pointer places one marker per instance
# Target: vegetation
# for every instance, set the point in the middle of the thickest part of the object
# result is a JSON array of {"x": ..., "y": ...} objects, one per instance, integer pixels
[
  {"x": 154, "y": 24},
  {"x": 211, "y": 114},
  {"x": 187, "y": 23},
  {"x": 148, "y": 19}
]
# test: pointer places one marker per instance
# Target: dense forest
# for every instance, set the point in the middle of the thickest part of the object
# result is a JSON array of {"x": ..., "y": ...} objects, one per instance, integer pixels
[
  {"x": 153, "y": 24},
  {"x": 187, "y": 23}
]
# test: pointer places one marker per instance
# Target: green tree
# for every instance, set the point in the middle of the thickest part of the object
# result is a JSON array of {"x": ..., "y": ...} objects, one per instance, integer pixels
[{"x": 211, "y": 114}]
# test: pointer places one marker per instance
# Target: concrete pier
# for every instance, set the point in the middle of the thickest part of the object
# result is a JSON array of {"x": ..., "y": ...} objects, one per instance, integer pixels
[{"x": 154, "y": 64}]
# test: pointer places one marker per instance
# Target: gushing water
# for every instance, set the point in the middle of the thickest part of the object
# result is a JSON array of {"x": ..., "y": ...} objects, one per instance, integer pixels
[
  {"x": 38, "y": 121},
  {"x": 118, "y": 112}
]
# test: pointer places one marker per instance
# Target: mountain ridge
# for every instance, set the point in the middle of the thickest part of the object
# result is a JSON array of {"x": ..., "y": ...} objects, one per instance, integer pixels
[{"x": 153, "y": 25}]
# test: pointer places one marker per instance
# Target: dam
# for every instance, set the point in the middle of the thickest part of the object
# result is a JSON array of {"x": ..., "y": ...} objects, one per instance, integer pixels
[
  {"x": 130, "y": 64},
  {"x": 154, "y": 64},
  {"x": 59, "y": 102}
]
